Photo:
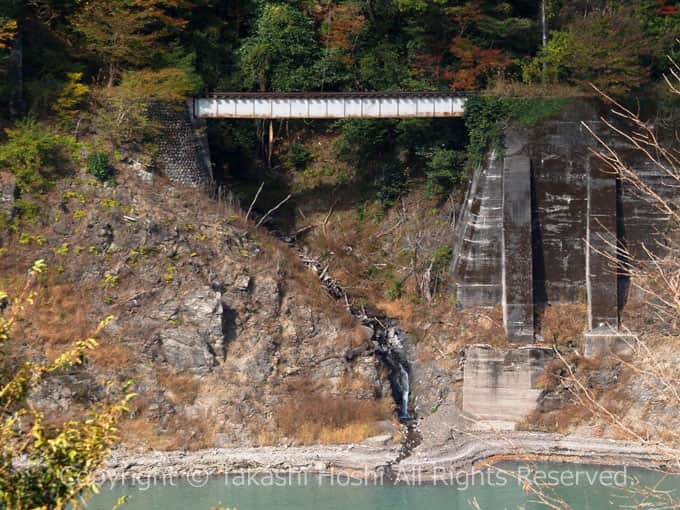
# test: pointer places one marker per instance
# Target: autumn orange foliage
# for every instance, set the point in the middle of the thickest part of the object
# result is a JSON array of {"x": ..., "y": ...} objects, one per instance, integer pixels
[
  {"x": 342, "y": 26},
  {"x": 475, "y": 62}
]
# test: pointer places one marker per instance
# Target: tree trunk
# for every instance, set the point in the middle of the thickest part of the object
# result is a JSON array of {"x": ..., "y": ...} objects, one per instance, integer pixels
[{"x": 271, "y": 143}]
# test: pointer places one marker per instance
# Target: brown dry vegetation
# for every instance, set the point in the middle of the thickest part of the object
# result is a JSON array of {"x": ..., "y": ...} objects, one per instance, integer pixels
[
  {"x": 607, "y": 382},
  {"x": 308, "y": 417},
  {"x": 371, "y": 252},
  {"x": 563, "y": 324},
  {"x": 74, "y": 294},
  {"x": 61, "y": 315},
  {"x": 110, "y": 354},
  {"x": 181, "y": 389},
  {"x": 180, "y": 433},
  {"x": 502, "y": 87}
]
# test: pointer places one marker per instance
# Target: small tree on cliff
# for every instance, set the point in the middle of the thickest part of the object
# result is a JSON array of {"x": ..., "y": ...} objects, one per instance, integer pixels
[{"x": 44, "y": 467}]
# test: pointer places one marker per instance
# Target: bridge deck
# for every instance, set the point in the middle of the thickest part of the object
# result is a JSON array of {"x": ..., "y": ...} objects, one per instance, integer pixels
[{"x": 329, "y": 105}]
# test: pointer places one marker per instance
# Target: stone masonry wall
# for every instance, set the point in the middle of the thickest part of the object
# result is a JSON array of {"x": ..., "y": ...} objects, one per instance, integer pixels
[{"x": 183, "y": 152}]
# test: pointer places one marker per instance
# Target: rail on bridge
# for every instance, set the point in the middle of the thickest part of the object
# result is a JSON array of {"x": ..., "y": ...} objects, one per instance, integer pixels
[{"x": 329, "y": 105}]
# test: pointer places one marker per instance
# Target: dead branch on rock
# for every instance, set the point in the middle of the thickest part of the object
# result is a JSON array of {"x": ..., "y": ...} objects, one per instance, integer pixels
[
  {"x": 273, "y": 209},
  {"x": 250, "y": 209}
]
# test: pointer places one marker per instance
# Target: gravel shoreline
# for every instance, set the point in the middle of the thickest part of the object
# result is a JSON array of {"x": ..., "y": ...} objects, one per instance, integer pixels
[{"x": 374, "y": 460}]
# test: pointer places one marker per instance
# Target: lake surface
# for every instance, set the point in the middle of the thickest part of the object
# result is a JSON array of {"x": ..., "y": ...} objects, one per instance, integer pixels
[{"x": 501, "y": 487}]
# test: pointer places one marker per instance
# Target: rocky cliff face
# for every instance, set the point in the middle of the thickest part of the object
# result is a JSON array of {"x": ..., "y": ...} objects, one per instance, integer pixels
[{"x": 219, "y": 326}]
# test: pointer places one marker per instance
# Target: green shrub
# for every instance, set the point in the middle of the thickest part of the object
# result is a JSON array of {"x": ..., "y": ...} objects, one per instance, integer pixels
[
  {"x": 396, "y": 290},
  {"x": 27, "y": 209},
  {"x": 391, "y": 184},
  {"x": 98, "y": 165},
  {"x": 299, "y": 156},
  {"x": 441, "y": 258},
  {"x": 35, "y": 156},
  {"x": 364, "y": 139},
  {"x": 487, "y": 116},
  {"x": 548, "y": 66},
  {"x": 443, "y": 170}
]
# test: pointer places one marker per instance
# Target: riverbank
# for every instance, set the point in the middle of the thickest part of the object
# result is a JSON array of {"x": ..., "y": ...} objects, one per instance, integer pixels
[{"x": 372, "y": 459}]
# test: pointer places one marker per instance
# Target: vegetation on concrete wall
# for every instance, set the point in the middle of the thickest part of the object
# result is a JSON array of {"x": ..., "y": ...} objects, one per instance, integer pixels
[{"x": 487, "y": 116}]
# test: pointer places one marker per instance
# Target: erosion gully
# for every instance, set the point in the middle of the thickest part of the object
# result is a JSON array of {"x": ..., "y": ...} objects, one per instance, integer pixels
[{"x": 387, "y": 342}]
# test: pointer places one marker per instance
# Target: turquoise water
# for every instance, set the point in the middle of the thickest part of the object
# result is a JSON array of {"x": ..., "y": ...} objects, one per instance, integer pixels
[{"x": 582, "y": 487}]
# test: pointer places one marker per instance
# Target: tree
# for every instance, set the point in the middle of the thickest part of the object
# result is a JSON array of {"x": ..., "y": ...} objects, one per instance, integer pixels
[
  {"x": 126, "y": 34},
  {"x": 281, "y": 54},
  {"x": 70, "y": 99},
  {"x": 8, "y": 23},
  {"x": 8, "y": 28},
  {"x": 608, "y": 48},
  {"x": 444, "y": 169},
  {"x": 40, "y": 466},
  {"x": 123, "y": 110},
  {"x": 478, "y": 25},
  {"x": 340, "y": 30}
]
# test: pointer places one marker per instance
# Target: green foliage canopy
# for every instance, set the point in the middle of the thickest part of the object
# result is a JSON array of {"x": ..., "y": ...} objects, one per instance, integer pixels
[
  {"x": 281, "y": 53},
  {"x": 35, "y": 155}
]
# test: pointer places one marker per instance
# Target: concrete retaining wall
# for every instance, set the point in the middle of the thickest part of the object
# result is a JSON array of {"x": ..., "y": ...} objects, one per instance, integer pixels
[
  {"x": 476, "y": 260},
  {"x": 500, "y": 384},
  {"x": 556, "y": 202}
]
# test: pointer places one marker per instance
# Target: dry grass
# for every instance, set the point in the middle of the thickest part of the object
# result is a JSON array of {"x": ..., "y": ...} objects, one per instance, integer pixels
[
  {"x": 504, "y": 88},
  {"x": 355, "y": 385},
  {"x": 297, "y": 279},
  {"x": 311, "y": 417},
  {"x": 112, "y": 355},
  {"x": 563, "y": 324},
  {"x": 61, "y": 315},
  {"x": 180, "y": 433},
  {"x": 560, "y": 420},
  {"x": 556, "y": 380},
  {"x": 360, "y": 336},
  {"x": 266, "y": 438},
  {"x": 400, "y": 309},
  {"x": 180, "y": 389}
]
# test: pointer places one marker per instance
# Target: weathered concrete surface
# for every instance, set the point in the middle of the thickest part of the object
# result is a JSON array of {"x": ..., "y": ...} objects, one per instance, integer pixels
[
  {"x": 476, "y": 258},
  {"x": 518, "y": 302},
  {"x": 559, "y": 183},
  {"x": 569, "y": 231},
  {"x": 601, "y": 254},
  {"x": 607, "y": 341},
  {"x": 500, "y": 384}
]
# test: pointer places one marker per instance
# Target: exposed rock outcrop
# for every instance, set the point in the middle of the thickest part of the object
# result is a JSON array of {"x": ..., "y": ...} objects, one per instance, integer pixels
[
  {"x": 215, "y": 327},
  {"x": 8, "y": 187}
]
